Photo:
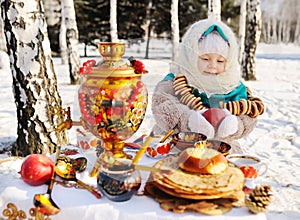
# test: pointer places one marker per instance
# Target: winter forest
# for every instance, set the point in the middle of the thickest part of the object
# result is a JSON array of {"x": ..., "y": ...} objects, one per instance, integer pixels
[
  {"x": 46, "y": 47},
  {"x": 254, "y": 21},
  {"x": 280, "y": 21}
]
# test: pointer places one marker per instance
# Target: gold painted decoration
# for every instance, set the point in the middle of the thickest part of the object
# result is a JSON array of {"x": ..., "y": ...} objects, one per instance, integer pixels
[{"x": 11, "y": 212}]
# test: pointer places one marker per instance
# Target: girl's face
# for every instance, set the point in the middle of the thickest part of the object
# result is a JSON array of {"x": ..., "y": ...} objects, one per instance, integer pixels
[{"x": 211, "y": 64}]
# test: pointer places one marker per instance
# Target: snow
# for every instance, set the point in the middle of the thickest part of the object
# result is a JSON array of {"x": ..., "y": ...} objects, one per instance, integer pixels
[{"x": 275, "y": 140}]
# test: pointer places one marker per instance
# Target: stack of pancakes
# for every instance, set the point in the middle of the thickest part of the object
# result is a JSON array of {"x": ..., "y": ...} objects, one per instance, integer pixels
[{"x": 190, "y": 186}]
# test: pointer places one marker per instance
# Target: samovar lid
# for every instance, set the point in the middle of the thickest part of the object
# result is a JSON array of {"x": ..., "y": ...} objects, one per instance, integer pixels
[{"x": 112, "y": 63}]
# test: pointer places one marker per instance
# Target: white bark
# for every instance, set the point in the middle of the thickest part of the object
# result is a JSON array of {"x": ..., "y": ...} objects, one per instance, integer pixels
[
  {"x": 280, "y": 32},
  {"x": 2, "y": 37},
  {"x": 72, "y": 40},
  {"x": 63, "y": 39},
  {"x": 280, "y": 20},
  {"x": 269, "y": 26},
  {"x": 175, "y": 29},
  {"x": 252, "y": 39},
  {"x": 52, "y": 12},
  {"x": 113, "y": 21},
  {"x": 214, "y": 9},
  {"x": 34, "y": 80},
  {"x": 297, "y": 30},
  {"x": 274, "y": 37},
  {"x": 242, "y": 28}
]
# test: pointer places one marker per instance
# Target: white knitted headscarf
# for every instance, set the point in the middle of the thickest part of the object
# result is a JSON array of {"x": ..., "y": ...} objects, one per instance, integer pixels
[{"x": 190, "y": 49}]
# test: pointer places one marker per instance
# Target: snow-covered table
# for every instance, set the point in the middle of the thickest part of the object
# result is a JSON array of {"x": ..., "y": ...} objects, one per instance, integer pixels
[{"x": 82, "y": 205}]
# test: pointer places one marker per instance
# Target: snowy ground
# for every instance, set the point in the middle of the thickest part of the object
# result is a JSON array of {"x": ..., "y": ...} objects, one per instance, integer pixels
[{"x": 276, "y": 139}]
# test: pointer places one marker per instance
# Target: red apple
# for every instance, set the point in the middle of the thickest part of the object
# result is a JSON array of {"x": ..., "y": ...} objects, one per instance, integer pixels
[
  {"x": 214, "y": 116},
  {"x": 37, "y": 169}
]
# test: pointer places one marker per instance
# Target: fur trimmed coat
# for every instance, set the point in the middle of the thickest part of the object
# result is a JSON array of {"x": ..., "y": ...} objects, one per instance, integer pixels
[
  {"x": 169, "y": 111},
  {"x": 175, "y": 101}
]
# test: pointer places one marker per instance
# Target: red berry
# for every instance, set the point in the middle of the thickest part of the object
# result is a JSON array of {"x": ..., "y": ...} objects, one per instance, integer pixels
[
  {"x": 98, "y": 118},
  {"x": 109, "y": 111},
  {"x": 93, "y": 62},
  {"x": 154, "y": 153},
  {"x": 167, "y": 147},
  {"x": 247, "y": 190},
  {"x": 82, "y": 70},
  {"x": 161, "y": 150},
  {"x": 149, "y": 150},
  {"x": 139, "y": 84},
  {"x": 139, "y": 67}
]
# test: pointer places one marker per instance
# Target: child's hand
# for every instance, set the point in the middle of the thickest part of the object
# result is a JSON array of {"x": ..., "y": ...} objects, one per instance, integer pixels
[
  {"x": 214, "y": 116},
  {"x": 228, "y": 126},
  {"x": 197, "y": 123}
]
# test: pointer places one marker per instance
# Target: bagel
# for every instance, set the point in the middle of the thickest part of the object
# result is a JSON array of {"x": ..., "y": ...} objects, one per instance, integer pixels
[
  {"x": 197, "y": 102},
  {"x": 243, "y": 106},
  {"x": 260, "y": 107},
  {"x": 229, "y": 107},
  {"x": 178, "y": 86},
  {"x": 235, "y": 108},
  {"x": 202, "y": 161},
  {"x": 183, "y": 97},
  {"x": 249, "y": 108},
  {"x": 183, "y": 91},
  {"x": 189, "y": 103},
  {"x": 254, "y": 111},
  {"x": 179, "y": 90}
]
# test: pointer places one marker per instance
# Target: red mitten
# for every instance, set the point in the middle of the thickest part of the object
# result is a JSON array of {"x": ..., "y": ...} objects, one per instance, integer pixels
[{"x": 214, "y": 116}]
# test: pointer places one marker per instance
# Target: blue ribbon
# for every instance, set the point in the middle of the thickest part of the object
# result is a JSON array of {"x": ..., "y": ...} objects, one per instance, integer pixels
[{"x": 212, "y": 28}]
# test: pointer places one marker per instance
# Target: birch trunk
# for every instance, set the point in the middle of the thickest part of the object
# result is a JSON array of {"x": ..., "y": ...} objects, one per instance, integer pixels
[
  {"x": 72, "y": 40},
  {"x": 53, "y": 18},
  {"x": 214, "y": 9},
  {"x": 242, "y": 28},
  {"x": 149, "y": 28},
  {"x": 297, "y": 30},
  {"x": 252, "y": 39},
  {"x": 34, "y": 80},
  {"x": 175, "y": 29},
  {"x": 63, "y": 39},
  {"x": 274, "y": 38},
  {"x": 269, "y": 27},
  {"x": 2, "y": 38},
  {"x": 113, "y": 21},
  {"x": 52, "y": 12},
  {"x": 280, "y": 30}
]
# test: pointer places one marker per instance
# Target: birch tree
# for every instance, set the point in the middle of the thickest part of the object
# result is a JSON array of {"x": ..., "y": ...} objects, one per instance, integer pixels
[
  {"x": 2, "y": 37},
  {"x": 71, "y": 39},
  {"x": 175, "y": 29},
  {"x": 113, "y": 21},
  {"x": 63, "y": 38},
  {"x": 281, "y": 21},
  {"x": 53, "y": 18},
  {"x": 242, "y": 28},
  {"x": 34, "y": 80},
  {"x": 297, "y": 28},
  {"x": 253, "y": 33},
  {"x": 214, "y": 9},
  {"x": 149, "y": 28}
]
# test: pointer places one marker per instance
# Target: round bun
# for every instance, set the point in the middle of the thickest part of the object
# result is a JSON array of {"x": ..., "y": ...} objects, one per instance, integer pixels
[{"x": 202, "y": 161}]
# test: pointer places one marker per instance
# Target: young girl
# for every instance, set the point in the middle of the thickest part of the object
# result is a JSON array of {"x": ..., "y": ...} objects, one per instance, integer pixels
[{"x": 204, "y": 92}]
